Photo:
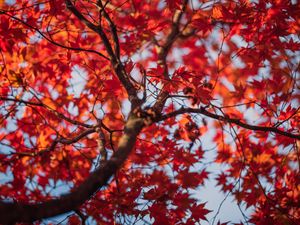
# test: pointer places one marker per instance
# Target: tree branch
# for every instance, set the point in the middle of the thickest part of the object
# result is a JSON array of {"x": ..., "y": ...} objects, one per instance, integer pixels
[
  {"x": 112, "y": 28},
  {"x": 50, "y": 40},
  {"x": 115, "y": 61},
  {"x": 163, "y": 51},
  {"x": 21, "y": 101},
  {"x": 41, "y": 104},
  {"x": 101, "y": 144},
  {"x": 23, "y": 212},
  {"x": 225, "y": 118}
]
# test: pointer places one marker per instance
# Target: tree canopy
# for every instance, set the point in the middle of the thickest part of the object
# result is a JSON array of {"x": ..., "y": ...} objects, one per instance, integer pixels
[{"x": 107, "y": 108}]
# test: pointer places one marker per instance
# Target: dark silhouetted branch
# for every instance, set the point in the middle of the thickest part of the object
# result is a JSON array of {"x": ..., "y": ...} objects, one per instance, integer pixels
[{"x": 225, "y": 118}]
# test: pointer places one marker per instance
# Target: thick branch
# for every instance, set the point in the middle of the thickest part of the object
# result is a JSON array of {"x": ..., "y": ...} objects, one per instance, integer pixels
[
  {"x": 171, "y": 38},
  {"x": 101, "y": 144},
  {"x": 163, "y": 51},
  {"x": 21, "y": 212},
  {"x": 238, "y": 122}
]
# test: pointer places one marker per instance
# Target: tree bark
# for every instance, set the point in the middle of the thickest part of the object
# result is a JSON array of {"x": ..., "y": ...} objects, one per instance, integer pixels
[{"x": 11, "y": 213}]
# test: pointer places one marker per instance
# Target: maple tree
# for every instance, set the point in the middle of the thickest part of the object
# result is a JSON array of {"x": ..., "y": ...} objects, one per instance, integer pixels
[{"x": 127, "y": 141}]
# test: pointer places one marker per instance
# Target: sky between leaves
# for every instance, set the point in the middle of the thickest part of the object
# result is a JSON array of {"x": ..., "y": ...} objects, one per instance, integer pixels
[{"x": 183, "y": 68}]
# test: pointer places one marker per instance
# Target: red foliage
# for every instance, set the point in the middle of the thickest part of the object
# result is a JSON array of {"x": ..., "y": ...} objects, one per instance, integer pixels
[{"x": 149, "y": 85}]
